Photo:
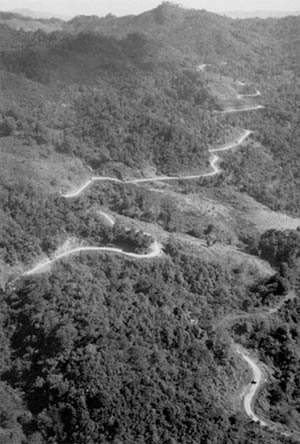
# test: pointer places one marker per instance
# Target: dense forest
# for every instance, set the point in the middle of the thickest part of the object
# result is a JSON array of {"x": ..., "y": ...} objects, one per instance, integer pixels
[
  {"x": 117, "y": 352},
  {"x": 103, "y": 348},
  {"x": 36, "y": 224}
]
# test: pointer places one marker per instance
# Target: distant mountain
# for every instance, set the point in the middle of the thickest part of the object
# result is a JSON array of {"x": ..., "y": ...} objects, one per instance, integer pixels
[
  {"x": 260, "y": 14},
  {"x": 39, "y": 14},
  {"x": 197, "y": 35},
  {"x": 169, "y": 34},
  {"x": 192, "y": 33},
  {"x": 18, "y": 21}
]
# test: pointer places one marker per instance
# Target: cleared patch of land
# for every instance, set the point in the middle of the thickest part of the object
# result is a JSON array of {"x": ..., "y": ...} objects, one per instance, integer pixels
[
  {"x": 230, "y": 257},
  {"x": 262, "y": 218},
  {"x": 37, "y": 165}
]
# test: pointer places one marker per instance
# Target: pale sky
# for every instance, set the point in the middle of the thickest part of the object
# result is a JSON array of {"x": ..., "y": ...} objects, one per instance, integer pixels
[{"x": 124, "y": 7}]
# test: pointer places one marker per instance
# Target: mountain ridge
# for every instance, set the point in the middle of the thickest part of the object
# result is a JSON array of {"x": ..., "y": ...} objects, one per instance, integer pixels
[
  {"x": 30, "y": 21},
  {"x": 263, "y": 14}
]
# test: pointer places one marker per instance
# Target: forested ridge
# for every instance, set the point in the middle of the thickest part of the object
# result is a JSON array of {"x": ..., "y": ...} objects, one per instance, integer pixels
[{"x": 102, "y": 348}]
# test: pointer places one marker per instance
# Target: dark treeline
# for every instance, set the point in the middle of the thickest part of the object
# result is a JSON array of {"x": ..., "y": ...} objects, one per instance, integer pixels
[{"x": 280, "y": 247}]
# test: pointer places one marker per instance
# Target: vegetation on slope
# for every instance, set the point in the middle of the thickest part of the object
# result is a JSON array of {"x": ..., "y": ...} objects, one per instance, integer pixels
[{"x": 117, "y": 351}]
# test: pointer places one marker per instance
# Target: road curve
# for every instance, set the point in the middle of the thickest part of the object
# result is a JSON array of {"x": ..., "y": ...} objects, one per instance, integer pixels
[
  {"x": 89, "y": 182},
  {"x": 233, "y": 144},
  {"x": 155, "y": 251},
  {"x": 213, "y": 163},
  {"x": 252, "y": 388},
  {"x": 243, "y": 96},
  {"x": 240, "y": 110}
]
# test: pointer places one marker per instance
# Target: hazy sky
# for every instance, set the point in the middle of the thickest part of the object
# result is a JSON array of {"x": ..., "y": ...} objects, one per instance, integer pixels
[{"x": 123, "y": 7}]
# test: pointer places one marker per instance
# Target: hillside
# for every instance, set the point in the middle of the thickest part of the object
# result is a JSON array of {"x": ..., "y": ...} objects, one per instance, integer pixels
[{"x": 149, "y": 243}]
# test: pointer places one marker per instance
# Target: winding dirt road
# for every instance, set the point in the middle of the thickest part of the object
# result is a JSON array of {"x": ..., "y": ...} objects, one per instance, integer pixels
[
  {"x": 213, "y": 163},
  {"x": 244, "y": 96},
  {"x": 88, "y": 183},
  {"x": 245, "y": 108},
  {"x": 240, "y": 110},
  {"x": 156, "y": 247},
  {"x": 155, "y": 250},
  {"x": 252, "y": 388}
]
